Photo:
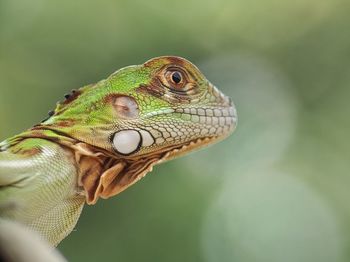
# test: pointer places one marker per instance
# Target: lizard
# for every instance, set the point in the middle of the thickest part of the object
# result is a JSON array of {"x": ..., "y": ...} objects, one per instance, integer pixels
[{"x": 104, "y": 137}]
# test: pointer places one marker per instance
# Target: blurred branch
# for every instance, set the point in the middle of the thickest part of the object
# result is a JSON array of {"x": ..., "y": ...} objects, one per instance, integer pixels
[{"x": 19, "y": 244}]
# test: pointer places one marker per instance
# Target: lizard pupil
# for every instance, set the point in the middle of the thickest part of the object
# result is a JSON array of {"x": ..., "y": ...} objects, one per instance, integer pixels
[{"x": 176, "y": 77}]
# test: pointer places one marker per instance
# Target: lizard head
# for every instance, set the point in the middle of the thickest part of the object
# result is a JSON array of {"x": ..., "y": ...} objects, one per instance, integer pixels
[
  {"x": 172, "y": 108},
  {"x": 162, "y": 105},
  {"x": 147, "y": 113}
]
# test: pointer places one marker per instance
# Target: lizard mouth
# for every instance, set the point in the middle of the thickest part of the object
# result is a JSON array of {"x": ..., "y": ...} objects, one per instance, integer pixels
[
  {"x": 197, "y": 127},
  {"x": 211, "y": 130},
  {"x": 215, "y": 125},
  {"x": 193, "y": 145}
]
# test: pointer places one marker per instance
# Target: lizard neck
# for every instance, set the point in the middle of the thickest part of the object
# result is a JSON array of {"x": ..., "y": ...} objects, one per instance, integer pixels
[
  {"x": 100, "y": 173},
  {"x": 91, "y": 162}
]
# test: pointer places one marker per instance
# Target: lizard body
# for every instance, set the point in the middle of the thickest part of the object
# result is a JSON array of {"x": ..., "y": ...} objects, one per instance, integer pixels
[{"x": 106, "y": 136}]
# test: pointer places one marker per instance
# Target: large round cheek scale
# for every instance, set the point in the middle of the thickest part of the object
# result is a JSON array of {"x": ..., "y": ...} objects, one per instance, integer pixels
[{"x": 127, "y": 141}]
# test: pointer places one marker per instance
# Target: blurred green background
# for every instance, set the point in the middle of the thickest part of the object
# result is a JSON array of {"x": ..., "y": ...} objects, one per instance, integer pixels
[{"x": 276, "y": 190}]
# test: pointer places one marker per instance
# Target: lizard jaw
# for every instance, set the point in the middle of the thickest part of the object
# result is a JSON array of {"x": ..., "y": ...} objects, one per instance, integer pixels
[{"x": 190, "y": 147}]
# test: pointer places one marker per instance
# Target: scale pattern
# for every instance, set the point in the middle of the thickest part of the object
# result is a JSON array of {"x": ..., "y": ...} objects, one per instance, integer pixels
[{"x": 40, "y": 191}]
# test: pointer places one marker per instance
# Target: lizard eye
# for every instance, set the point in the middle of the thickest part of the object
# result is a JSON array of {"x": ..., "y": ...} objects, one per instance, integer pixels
[{"x": 176, "y": 79}]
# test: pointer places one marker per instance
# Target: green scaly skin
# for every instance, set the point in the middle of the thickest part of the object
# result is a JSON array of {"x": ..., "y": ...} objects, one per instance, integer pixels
[{"x": 105, "y": 137}]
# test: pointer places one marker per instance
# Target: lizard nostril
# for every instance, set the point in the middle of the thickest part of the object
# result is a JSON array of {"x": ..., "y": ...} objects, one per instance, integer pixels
[{"x": 226, "y": 100}]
